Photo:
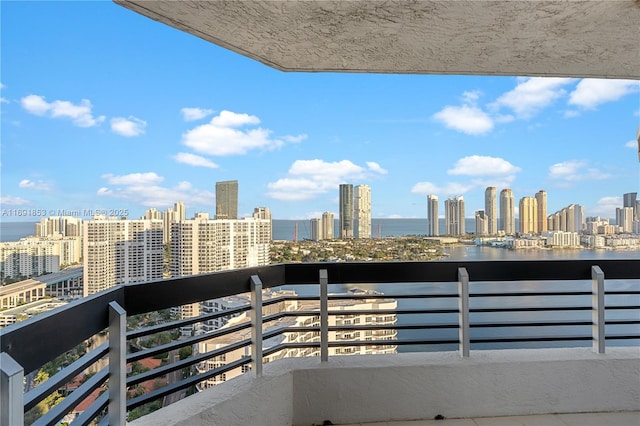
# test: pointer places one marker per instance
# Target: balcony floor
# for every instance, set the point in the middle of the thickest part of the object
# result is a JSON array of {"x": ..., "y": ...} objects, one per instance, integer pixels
[{"x": 629, "y": 418}]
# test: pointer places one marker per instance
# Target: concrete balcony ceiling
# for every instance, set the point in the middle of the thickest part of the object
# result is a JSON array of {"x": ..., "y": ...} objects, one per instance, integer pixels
[{"x": 580, "y": 38}]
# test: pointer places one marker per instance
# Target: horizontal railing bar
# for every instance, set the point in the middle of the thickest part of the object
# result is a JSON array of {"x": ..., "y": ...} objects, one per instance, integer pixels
[
  {"x": 625, "y": 337},
  {"x": 87, "y": 416},
  {"x": 391, "y": 296},
  {"x": 531, "y": 339},
  {"x": 621, "y": 292},
  {"x": 530, "y": 293},
  {"x": 531, "y": 309},
  {"x": 187, "y": 362},
  {"x": 181, "y": 323},
  {"x": 183, "y": 384},
  {"x": 56, "y": 413},
  {"x": 622, "y": 322},
  {"x": 383, "y": 312},
  {"x": 136, "y": 356},
  {"x": 37, "y": 394},
  {"x": 622, "y": 307},
  {"x": 531, "y": 324}
]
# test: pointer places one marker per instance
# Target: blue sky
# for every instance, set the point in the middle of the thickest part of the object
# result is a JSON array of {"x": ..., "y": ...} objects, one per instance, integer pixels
[{"x": 106, "y": 109}]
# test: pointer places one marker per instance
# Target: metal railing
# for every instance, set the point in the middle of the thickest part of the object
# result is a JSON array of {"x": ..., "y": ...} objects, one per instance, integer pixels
[{"x": 27, "y": 346}]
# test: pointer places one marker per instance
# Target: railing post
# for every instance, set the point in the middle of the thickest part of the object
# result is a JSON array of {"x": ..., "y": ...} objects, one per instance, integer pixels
[
  {"x": 324, "y": 316},
  {"x": 597, "y": 312},
  {"x": 11, "y": 391},
  {"x": 117, "y": 365},
  {"x": 256, "y": 326},
  {"x": 463, "y": 312}
]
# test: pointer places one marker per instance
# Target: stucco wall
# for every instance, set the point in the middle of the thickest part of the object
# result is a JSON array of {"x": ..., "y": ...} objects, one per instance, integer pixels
[{"x": 418, "y": 386}]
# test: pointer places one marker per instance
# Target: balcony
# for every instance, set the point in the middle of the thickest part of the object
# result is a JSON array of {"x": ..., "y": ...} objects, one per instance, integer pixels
[{"x": 472, "y": 339}]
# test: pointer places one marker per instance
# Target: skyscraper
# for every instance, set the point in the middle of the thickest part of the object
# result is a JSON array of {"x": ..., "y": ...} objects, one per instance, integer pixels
[
  {"x": 482, "y": 223},
  {"x": 432, "y": 215},
  {"x": 631, "y": 200},
  {"x": 227, "y": 199},
  {"x": 507, "y": 212},
  {"x": 180, "y": 210},
  {"x": 491, "y": 209},
  {"x": 119, "y": 251},
  {"x": 327, "y": 226},
  {"x": 362, "y": 205},
  {"x": 454, "y": 216},
  {"x": 528, "y": 215},
  {"x": 346, "y": 210},
  {"x": 541, "y": 199}
]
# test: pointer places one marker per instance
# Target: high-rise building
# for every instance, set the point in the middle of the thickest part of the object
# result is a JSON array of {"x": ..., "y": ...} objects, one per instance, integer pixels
[
  {"x": 624, "y": 219},
  {"x": 491, "y": 209},
  {"x": 152, "y": 213},
  {"x": 181, "y": 211},
  {"x": 432, "y": 215},
  {"x": 507, "y": 212},
  {"x": 630, "y": 199},
  {"x": 227, "y": 199},
  {"x": 528, "y": 208},
  {"x": 316, "y": 229},
  {"x": 120, "y": 251},
  {"x": 362, "y": 210},
  {"x": 203, "y": 245},
  {"x": 482, "y": 223},
  {"x": 33, "y": 256},
  {"x": 262, "y": 213},
  {"x": 346, "y": 210},
  {"x": 454, "y": 216},
  {"x": 327, "y": 226},
  {"x": 541, "y": 200}
]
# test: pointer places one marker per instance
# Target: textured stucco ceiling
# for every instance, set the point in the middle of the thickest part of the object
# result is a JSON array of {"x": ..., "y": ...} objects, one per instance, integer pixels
[{"x": 574, "y": 38}]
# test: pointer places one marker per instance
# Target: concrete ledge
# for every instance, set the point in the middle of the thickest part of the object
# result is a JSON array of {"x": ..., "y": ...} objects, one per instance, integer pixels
[{"x": 413, "y": 386}]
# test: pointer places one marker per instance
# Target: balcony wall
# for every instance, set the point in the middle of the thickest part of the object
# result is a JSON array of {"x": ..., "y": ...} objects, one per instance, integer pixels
[{"x": 418, "y": 386}]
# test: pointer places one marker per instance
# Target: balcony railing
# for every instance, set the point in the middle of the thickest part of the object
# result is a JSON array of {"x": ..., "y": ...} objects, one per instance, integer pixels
[{"x": 27, "y": 346}]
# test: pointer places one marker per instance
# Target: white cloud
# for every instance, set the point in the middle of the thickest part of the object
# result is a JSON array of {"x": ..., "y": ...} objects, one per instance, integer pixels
[
  {"x": 148, "y": 178},
  {"x": 591, "y": 92},
  {"x": 373, "y": 166},
  {"x": 532, "y": 94},
  {"x": 575, "y": 170},
  {"x": 194, "y": 160},
  {"x": 295, "y": 139},
  {"x": 309, "y": 178},
  {"x": 144, "y": 189},
  {"x": 192, "y": 114},
  {"x": 232, "y": 119},
  {"x": 448, "y": 189},
  {"x": 4, "y": 100},
  {"x": 8, "y": 200},
  {"x": 606, "y": 207},
  {"x": 39, "y": 185},
  {"x": 477, "y": 165},
  {"x": 80, "y": 114},
  {"x": 466, "y": 118},
  {"x": 2, "y": 86},
  {"x": 631, "y": 144},
  {"x": 128, "y": 127},
  {"x": 222, "y": 136}
]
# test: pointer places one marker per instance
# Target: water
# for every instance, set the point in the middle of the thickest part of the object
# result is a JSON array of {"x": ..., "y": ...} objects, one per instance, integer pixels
[
  {"x": 285, "y": 229},
  {"x": 13, "y": 231}
]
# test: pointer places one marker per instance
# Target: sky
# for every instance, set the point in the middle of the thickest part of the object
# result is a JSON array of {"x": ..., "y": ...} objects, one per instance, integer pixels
[{"x": 103, "y": 109}]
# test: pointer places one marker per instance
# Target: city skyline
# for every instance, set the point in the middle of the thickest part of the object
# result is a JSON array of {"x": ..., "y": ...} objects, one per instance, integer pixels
[{"x": 126, "y": 113}]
